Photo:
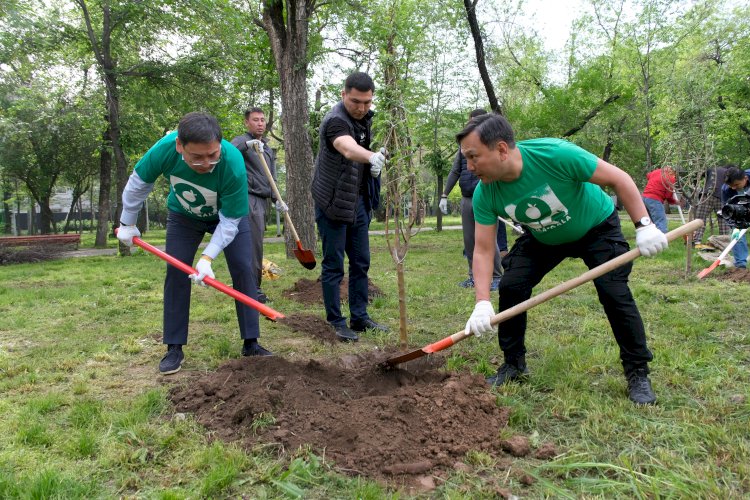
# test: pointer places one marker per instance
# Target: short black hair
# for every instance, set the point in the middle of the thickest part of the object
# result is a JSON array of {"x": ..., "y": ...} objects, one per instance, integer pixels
[
  {"x": 491, "y": 128},
  {"x": 733, "y": 174},
  {"x": 198, "y": 127},
  {"x": 477, "y": 112},
  {"x": 360, "y": 81},
  {"x": 254, "y": 109}
]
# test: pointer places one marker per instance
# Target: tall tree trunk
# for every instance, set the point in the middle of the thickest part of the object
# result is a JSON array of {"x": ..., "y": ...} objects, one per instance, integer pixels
[
  {"x": 471, "y": 16},
  {"x": 7, "y": 208},
  {"x": 438, "y": 212},
  {"x": 287, "y": 30},
  {"x": 105, "y": 188}
]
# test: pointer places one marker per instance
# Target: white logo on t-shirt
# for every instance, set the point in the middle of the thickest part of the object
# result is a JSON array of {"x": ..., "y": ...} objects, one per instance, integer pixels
[
  {"x": 540, "y": 210},
  {"x": 197, "y": 200}
]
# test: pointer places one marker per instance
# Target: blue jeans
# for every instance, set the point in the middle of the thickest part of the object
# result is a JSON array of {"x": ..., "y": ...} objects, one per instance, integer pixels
[
  {"x": 740, "y": 252},
  {"x": 656, "y": 213},
  {"x": 339, "y": 238},
  {"x": 184, "y": 235}
]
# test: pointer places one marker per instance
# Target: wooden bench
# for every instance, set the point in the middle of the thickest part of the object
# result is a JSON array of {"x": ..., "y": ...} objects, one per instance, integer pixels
[{"x": 41, "y": 240}]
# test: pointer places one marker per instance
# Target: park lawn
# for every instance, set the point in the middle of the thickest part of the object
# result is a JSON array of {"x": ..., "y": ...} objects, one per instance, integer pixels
[{"x": 85, "y": 414}]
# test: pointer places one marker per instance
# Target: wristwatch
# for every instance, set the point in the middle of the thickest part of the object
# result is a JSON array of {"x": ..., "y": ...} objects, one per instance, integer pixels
[{"x": 643, "y": 221}]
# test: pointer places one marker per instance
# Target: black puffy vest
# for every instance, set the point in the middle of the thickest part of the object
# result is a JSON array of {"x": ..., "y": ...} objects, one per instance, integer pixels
[{"x": 336, "y": 180}]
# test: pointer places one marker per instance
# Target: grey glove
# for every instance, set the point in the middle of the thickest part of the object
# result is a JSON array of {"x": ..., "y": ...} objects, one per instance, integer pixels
[
  {"x": 443, "y": 205},
  {"x": 377, "y": 160}
]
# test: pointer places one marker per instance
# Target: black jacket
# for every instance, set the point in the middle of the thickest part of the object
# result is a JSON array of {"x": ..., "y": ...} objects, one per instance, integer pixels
[
  {"x": 336, "y": 184},
  {"x": 257, "y": 182}
]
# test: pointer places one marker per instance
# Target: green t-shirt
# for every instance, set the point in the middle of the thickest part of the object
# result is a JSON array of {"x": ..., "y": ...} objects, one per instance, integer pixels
[
  {"x": 552, "y": 197},
  {"x": 195, "y": 195}
]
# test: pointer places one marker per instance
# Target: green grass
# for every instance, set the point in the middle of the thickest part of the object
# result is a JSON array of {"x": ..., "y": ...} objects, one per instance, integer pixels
[{"x": 85, "y": 415}]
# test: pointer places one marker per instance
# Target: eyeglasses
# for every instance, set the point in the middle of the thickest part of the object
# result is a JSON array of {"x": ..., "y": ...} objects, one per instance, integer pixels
[{"x": 200, "y": 163}]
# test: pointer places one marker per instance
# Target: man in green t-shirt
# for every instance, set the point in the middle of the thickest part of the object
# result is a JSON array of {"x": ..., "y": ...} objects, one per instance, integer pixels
[
  {"x": 552, "y": 187},
  {"x": 207, "y": 194}
]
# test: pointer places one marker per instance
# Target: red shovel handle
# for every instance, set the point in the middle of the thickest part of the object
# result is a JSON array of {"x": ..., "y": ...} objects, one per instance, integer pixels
[{"x": 237, "y": 295}]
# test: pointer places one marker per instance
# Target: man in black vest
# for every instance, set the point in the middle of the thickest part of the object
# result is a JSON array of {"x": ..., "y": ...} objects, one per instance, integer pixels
[
  {"x": 258, "y": 188},
  {"x": 346, "y": 189}
]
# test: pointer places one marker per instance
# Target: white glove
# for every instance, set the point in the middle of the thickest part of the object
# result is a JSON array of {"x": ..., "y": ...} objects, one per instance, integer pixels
[
  {"x": 650, "y": 240},
  {"x": 480, "y": 321},
  {"x": 126, "y": 234},
  {"x": 255, "y": 144},
  {"x": 204, "y": 269},
  {"x": 735, "y": 233},
  {"x": 443, "y": 205},
  {"x": 377, "y": 160},
  {"x": 281, "y": 207}
]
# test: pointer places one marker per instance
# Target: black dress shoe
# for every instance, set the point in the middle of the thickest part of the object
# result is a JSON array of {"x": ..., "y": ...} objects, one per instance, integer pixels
[
  {"x": 255, "y": 349},
  {"x": 368, "y": 324},
  {"x": 639, "y": 387},
  {"x": 346, "y": 334}
]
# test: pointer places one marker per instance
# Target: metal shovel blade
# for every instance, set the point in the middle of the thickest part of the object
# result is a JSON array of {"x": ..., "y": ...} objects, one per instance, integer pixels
[{"x": 305, "y": 256}]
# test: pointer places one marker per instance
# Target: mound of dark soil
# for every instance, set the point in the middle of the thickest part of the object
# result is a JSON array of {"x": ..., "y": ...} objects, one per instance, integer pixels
[
  {"x": 379, "y": 423},
  {"x": 313, "y": 326},
  {"x": 736, "y": 275},
  {"x": 310, "y": 292}
]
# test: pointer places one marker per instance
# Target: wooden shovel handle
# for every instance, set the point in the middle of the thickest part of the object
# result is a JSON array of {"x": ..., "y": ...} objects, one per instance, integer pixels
[
  {"x": 275, "y": 189},
  {"x": 563, "y": 287}
]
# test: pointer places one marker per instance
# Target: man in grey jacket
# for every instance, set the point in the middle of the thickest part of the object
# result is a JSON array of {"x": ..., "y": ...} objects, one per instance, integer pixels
[{"x": 258, "y": 187}]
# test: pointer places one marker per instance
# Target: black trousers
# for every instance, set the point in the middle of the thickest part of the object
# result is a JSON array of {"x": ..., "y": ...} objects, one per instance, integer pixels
[{"x": 529, "y": 261}]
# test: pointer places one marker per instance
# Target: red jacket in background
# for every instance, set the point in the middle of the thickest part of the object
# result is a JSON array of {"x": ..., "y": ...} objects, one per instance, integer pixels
[{"x": 660, "y": 187}]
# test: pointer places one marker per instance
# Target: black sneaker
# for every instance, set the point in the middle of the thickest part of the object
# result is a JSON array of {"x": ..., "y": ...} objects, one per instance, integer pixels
[
  {"x": 262, "y": 297},
  {"x": 346, "y": 334},
  {"x": 639, "y": 387},
  {"x": 254, "y": 349},
  {"x": 172, "y": 361},
  {"x": 509, "y": 372},
  {"x": 368, "y": 324}
]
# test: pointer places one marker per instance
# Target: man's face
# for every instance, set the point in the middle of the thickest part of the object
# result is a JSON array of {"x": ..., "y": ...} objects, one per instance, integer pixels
[
  {"x": 739, "y": 185},
  {"x": 357, "y": 103},
  {"x": 488, "y": 164},
  {"x": 255, "y": 124},
  {"x": 202, "y": 157}
]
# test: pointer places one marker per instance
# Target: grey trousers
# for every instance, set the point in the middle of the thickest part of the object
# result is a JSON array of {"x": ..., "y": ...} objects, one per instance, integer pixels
[
  {"x": 467, "y": 224},
  {"x": 257, "y": 228}
]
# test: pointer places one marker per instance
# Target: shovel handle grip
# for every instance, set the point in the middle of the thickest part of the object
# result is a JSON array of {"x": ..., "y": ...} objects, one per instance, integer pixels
[{"x": 214, "y": 283}]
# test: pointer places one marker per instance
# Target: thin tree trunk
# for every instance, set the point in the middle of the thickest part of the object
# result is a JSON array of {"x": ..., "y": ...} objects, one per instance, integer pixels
[
  {"x": 471, "y": 16},
  {"x": 105, "y": 188}
]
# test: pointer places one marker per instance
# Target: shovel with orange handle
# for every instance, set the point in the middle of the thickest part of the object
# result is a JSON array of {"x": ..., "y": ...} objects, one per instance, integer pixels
[
  {"x": 214, "y": 283},
  {"x": 538, "y": 299},
  {"x": 304, "y": 256}
]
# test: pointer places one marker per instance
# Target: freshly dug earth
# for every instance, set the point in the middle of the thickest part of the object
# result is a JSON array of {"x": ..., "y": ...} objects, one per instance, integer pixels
[
  {"x": 736, "y": 275},
  {"x": 384, "y": 424},
  {"x": 314, "y": 326},
  {"x": 309, "y": 292}
]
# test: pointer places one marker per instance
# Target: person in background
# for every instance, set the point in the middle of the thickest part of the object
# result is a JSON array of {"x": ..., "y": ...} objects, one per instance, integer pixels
[
  {"x": 207, "y": 194},
  {"x": 554, "y": 189},
  {"x": 258, "y": 188},
  {"x": 660, "y": 188},
  {"x": 345, "y": 191},
  {"x": 710, "y": 203},
  {"x": 468, "y": 182},
  {"x": 736, "y": 182}
]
